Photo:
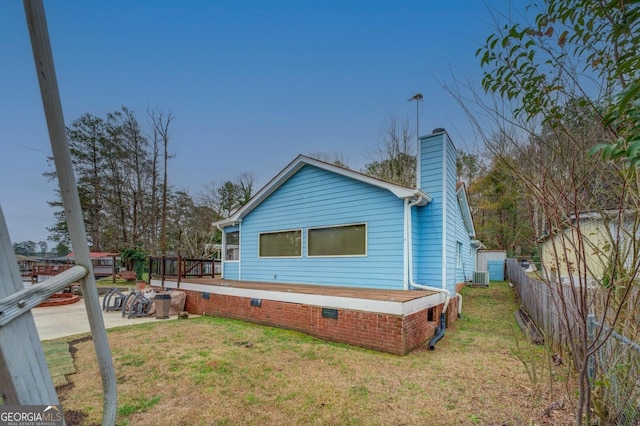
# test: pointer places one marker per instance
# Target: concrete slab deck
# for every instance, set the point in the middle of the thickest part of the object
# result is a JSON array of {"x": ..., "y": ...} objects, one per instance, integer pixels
[{"x": 66, "y": 320}]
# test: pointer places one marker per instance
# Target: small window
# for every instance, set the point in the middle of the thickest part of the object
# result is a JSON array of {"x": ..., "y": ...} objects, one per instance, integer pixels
[
  {"x": 344, "y": 240},
  {"x": 232, "y": 247},
  {"x": 281, "y": 244},
  {"x": 458, "y": 255}
]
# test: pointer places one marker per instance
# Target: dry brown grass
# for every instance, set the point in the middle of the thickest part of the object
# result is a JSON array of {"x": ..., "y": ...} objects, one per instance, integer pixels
[{"x": 211, "y": 371}]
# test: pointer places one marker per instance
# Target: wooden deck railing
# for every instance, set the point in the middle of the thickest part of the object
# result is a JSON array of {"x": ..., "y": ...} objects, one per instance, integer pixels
[
  {"x": 48, "y": 270},
  {"x": 177, "y": 267}
]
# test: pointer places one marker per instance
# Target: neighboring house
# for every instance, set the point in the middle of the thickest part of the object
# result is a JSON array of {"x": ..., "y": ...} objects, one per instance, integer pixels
[
  {"x": 566, "y": 252},
  {"x": 104, "y": 264},
  {"x": 317, "y": 223},
  {"x": 25, "y": 263}
]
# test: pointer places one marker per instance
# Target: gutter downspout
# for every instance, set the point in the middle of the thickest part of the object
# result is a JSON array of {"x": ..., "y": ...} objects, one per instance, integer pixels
[
  {"x": 240, "y": 250},
  {"x": 440, "y": 330},
  {"x": 407, "y": 244}
]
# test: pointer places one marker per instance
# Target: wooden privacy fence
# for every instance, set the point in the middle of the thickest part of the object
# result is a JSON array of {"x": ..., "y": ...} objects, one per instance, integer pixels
[
  {"x": 558, "y": 309},
  {"x": 539, "y": 302},
  {"x": 555, "y": 309}
]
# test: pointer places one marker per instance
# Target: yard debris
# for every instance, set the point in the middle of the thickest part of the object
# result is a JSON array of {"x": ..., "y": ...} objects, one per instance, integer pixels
[
  {"x": 136, "y": 305},
  {"x": 526, "y": 388},
  {"x": 113, "y": 300},
  {"x": 246, "y": 344},
  {"x": 557, "y": 359},
  {"x": 557, "y": 405},
  {"x": 528, "y": 327},
  {"x": 128, "y": 275}
]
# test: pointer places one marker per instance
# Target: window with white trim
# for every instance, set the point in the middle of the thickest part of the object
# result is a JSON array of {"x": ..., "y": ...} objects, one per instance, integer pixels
[
  {"x": 340, "y": 240},
  {"x": 281, "y": 244},
  {"x": 458, "y": 255},
  {"x": 232, "y": 245}
]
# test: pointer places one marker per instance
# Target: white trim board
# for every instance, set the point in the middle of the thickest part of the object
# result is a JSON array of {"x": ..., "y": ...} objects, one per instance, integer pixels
[{"x": 389, "y": 307}]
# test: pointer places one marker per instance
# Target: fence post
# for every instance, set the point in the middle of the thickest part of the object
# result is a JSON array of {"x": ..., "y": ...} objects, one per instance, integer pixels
[
  {"x": 179, "y": 266},
  {"x": 164, "y": 269}
]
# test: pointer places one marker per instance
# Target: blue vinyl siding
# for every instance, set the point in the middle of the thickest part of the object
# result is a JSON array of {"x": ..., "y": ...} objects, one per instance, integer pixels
[
  {"x": 416, "y": 243},
  {"x": 453, "y": 215},
  {"x": 438, "y": 162},
  {"x": 230, "y": 270},
  {"x": 465, "y": 234},
  {"x": 468, "y": 252},
  {"x": 314, "y": 197},
  {"x": 428, "y": 266}
]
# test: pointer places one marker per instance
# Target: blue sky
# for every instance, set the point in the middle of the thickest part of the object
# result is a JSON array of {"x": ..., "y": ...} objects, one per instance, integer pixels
[{"x": 252, "y": 84}]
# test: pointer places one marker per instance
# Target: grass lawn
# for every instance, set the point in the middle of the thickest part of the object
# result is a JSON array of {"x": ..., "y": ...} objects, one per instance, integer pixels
[
  {"x": 212, "y": 371},
  {"x": 119, "y": 282}
]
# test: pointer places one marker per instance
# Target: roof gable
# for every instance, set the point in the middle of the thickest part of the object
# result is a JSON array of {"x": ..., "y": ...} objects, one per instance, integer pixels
[
  {"x": 301, "y": 161},
  {"x": 463, "y": 202},
  {"x": 93, "y": 255},
  {"x": 605, "y": 216}
]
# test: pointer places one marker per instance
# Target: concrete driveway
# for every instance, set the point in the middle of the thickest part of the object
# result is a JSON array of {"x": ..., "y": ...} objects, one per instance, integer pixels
[{"x": 66, "y": 320}]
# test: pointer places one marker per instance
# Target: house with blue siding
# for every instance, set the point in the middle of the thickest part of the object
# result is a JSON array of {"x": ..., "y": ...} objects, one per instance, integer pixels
[{"x": 320, "y": 224}]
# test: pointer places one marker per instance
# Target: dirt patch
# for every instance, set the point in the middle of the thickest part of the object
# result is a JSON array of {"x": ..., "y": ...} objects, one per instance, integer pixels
[
  {"x": 71, "y": 417},
  {"x": 74, "y": 418}
]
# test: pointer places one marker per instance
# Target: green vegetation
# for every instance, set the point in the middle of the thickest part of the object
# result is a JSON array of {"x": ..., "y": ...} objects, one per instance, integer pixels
[
  {"x": 59, "y": 360},
  {"x": 564, "y": 82},
  {"x": 140, "y": 405}
]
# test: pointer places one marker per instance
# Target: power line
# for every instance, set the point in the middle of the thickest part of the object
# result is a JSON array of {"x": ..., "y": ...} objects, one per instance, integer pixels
[{"x": 24, "y": 147}]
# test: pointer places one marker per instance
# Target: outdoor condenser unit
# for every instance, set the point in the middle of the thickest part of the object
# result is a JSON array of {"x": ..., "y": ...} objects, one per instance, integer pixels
[{"x": 481, "y": 277}]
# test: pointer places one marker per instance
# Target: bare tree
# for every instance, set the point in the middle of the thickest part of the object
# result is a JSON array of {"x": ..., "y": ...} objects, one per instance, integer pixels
[
  {"x": 156, "y": 144},
  {"x": 160, "y": 123},
  {"x": 128, "y": 159},
  {"x": 227, "y": 197},
  {"x": 395, "y": 159},
  {"x": 189, "y": 226},
  {"x": 336, "y": 158}
]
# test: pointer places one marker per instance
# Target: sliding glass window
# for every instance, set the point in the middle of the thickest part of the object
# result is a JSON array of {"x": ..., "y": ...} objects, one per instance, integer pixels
[
  {"x": 342, "y": 240},
  {"x": 281, "y": 244}
]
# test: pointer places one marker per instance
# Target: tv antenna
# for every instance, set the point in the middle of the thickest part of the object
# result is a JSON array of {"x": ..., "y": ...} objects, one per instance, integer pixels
[{"x": 418, "y": 98}]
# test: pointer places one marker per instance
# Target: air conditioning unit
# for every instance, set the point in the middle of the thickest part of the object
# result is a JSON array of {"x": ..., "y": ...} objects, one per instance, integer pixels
[{"x": 481, "y": 277}]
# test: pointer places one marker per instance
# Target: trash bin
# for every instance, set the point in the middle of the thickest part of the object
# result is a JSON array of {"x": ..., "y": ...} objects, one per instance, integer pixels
[{"x": 163, "y": 303}]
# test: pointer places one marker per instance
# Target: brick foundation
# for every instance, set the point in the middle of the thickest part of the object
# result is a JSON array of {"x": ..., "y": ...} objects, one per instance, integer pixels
[
  {"x": 395, "y": 334},
  {"x": 460, "y": 286}
]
